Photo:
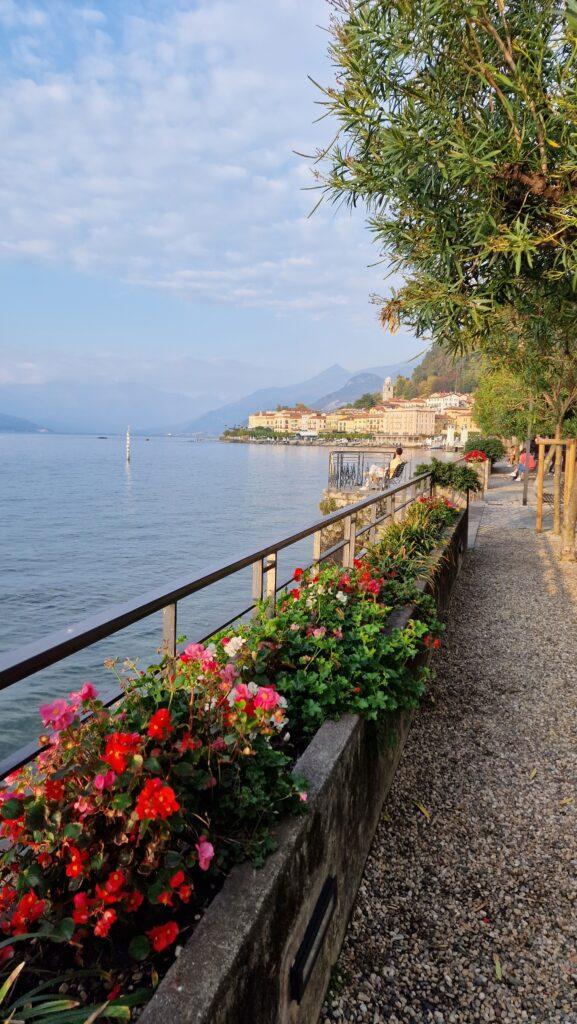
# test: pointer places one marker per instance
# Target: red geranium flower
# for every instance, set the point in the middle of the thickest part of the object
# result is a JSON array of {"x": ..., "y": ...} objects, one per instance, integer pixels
[
  {"x": 29, "y": 909},
  {"x": 82, "y": 905},
  {"x": 295, "y": 593},
  {"x": 177, "y": 879},
  {"x": 78, "y": 859},
  {"x": 298, "y": 575},
  {"x": 104, "y": 923},
  {"x": 119, "y": 747},
  {"x": 163, "y": 936},
  {"x": 54, "y": 789},
  {"x": 133, "y": 901},
  {"x": 156, "y": 800},
  {"x": 160, "y": 725}
]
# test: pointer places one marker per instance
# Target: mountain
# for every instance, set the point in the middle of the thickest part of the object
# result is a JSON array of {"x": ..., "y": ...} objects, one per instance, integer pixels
[
  {"x": 74, "y": 406},
  {"x": 362, "y": 383},
  {"x": 16, "y": 425},
  {"x": 235, "y": 413}
]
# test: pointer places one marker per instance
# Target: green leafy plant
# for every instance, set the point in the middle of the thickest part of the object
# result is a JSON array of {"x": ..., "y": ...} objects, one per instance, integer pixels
[
  {"x": 493, "y": 447},
  {"x": 451, "y": 474}
]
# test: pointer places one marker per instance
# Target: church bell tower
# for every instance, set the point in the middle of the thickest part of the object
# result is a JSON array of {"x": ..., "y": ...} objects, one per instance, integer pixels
[{"x": 388, "y": 389}]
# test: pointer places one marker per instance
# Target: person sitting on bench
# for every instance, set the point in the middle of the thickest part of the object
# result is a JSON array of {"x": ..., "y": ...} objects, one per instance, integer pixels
[{"x": 396, "y": 461}]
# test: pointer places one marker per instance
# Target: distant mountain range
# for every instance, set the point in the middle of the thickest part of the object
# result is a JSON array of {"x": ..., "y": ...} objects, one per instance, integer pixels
[
  {"x": 16, "y": 425},
  {"x": 327, "y": 390},
  {"x": 98, "y": 406},
  {"x": 360, "y": 384}
]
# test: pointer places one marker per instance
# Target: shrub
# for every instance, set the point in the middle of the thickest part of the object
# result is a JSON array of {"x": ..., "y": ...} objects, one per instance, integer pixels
[
  {"x": 451, "y": 474},
  {"x": 492, "y": 447}
]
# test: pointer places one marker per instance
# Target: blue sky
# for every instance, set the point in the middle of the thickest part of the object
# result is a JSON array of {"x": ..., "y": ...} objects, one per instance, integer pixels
[{"x": 153, "y": 208}]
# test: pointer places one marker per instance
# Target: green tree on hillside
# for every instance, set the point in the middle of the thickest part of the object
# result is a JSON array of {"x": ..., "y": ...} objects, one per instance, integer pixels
[{"x": 367, "y": 401}]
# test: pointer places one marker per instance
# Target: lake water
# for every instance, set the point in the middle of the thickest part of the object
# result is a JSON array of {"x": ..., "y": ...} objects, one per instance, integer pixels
[{"x": 81, "y": 530}]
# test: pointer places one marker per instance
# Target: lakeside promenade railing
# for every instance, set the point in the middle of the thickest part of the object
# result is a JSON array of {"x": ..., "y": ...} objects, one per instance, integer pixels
[{"x": 31, "y": 658}]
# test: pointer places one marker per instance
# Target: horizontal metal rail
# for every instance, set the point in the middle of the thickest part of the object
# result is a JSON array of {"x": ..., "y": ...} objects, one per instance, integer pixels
[{"x": 40, "y": 654}]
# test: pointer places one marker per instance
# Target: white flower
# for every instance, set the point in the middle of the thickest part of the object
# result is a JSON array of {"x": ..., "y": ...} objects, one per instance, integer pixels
[
  {"x": 234, "y": 646},
  {"x": 342, "y": 597}
]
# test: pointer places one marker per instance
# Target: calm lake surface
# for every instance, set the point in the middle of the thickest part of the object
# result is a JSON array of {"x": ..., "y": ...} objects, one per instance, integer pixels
[{"x": 81, "y": 530}]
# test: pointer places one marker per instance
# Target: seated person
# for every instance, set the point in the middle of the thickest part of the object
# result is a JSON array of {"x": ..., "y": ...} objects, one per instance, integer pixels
[
  {"x": 395, "y": 462},
  {"x": 521, "y": 468}
]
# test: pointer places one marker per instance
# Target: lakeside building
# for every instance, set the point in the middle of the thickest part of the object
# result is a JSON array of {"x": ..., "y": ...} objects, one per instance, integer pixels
[{"x": 441, "y": 401}]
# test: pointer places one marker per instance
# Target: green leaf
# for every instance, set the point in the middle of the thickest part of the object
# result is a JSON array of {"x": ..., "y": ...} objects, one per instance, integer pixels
[
  {"x": 64, "y": 930},
  {"x": 152, "y": 764},
  {"x": 122, "y": 801},
  {"x": 12, "y": 809},
  {"x": 73, "y": 830},
  {"x": 139, "y": 948},
  {"x": 184, "y": 769}
]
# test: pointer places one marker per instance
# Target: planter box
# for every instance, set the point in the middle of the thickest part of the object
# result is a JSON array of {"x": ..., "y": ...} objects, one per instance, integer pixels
[{"x": 264, "y": 950}]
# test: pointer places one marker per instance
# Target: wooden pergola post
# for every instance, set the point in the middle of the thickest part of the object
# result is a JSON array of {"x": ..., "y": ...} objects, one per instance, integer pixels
[
  {"x": 540, "y": 479},
  {"x": 570, "y": 452}
]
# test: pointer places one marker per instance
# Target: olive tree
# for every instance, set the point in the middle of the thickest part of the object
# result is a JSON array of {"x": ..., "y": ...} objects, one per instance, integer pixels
[{"x": 457, "y": 132}]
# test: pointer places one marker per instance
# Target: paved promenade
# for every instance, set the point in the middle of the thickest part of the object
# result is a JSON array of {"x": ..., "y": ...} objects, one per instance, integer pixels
[{"x": 468, "y": 907}]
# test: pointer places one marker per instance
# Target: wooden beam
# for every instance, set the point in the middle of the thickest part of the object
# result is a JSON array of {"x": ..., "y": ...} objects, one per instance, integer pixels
[{"x": 540, "y": 479}]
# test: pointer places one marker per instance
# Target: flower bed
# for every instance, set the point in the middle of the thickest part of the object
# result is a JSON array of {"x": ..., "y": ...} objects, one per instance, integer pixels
[{"x": 120, "y": 834}]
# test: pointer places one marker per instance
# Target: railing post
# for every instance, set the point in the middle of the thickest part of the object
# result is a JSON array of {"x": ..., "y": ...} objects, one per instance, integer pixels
[
  {"x": 257, "y": 582},
  {"x": 317, "y": 538},
  {"x": 270, "y": 564},
  {"x": 169, "y": 629},
  {"x": 373, "y": 531},
  {"x": 351, "y": 540},
  {"x": 392, "y": 507}
]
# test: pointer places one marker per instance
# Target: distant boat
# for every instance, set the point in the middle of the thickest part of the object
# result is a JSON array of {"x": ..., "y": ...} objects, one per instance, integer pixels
[{"x": 102, "y": 437}]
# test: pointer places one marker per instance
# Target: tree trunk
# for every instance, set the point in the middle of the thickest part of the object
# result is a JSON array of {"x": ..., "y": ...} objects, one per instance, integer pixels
[
  {"x": 557, "y": 483},
  {"x": 569, "y": 523}
]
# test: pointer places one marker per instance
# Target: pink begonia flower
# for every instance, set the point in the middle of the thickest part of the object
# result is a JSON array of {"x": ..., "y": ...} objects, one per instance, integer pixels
[
  {"x": 193, "y": 652},
  {"x": 205, "y": 852},
  {"x": 338, "y": 633},
  {"x": 104, "y": 781},
  {"x": 83, "y": 806},
  {"x": 294, "y": 626},
  {"x": 218, "y": 744},
  {"x": 266, "y": 698},
  {"x": 229, "y": 673},
  {"x": 87, "y": 692},
  {"x": 303, "y": 797},
  {"x": 241, "y": 692},
  {"x": 59, "y": 714}
]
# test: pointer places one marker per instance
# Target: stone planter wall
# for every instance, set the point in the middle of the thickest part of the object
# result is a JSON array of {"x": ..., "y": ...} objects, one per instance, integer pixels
[{"x": 239, "y": 966}]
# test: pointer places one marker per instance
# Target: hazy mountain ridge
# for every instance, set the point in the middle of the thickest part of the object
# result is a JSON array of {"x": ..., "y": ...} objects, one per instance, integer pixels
[
  {"x": 98, "y": 406},
  {"x": 17, "y": 425}
]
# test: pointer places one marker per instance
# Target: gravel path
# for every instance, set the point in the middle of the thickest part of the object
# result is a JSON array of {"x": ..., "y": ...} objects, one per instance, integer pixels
[{"x": 471, "y": 914}]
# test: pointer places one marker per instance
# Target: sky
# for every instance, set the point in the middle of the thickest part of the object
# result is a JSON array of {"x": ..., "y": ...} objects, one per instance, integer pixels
[{"x": 154, "y": 213}]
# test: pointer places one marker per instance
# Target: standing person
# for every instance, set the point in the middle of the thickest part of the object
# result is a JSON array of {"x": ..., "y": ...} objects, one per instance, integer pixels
[
  {"x": 514, "y": 453},
  {"x": 395, "y": 462}
]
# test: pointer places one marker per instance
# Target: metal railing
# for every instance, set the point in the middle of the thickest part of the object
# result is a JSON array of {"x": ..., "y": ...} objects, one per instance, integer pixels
[{"x": 33, "y": 657}]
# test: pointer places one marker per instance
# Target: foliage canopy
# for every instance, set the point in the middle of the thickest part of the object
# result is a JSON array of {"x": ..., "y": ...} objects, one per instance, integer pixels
[{"x": 458, "y": 131}]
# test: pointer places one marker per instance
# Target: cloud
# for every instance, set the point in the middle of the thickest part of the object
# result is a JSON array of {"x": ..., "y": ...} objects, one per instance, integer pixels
[{"x": 153, "y": 141}]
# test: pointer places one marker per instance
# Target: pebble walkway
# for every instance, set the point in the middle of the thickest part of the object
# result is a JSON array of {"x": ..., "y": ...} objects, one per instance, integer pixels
[{"x": 468, "y": 906}]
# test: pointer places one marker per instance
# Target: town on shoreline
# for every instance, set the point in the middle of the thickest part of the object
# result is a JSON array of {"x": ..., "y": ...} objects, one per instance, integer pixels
[{"x": 441, "y": 420}]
